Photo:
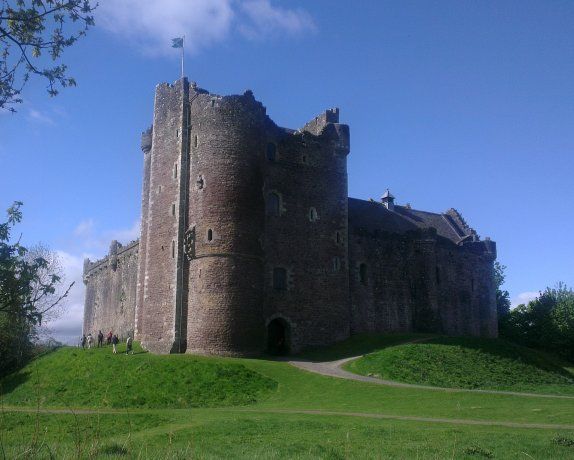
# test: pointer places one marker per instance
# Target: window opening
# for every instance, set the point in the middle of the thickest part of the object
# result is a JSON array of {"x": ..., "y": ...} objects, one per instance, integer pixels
[
  {"x": 271, "y": 151},
  {"x": 279, "y": 279},
  {"x": 313, "y": 216},
  {"x": 209, "y": 235},
  {"x": 273, "y": 204},
  {"x": 363, "y": 273}
]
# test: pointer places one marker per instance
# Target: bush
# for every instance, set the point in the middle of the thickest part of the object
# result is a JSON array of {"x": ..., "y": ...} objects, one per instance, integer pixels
[{"x": 547, "y": 322}]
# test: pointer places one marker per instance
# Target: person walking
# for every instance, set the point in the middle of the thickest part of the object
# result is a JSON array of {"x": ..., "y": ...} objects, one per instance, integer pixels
[
  {"x": 115, "y": 341},
  {"x": 129, "y": 343},
  {"x": 83, "y": 342},
  {"x": 109, "y": 338},
  {"x": 90, "y": 340},
  {"x": 100, "y": 339}
]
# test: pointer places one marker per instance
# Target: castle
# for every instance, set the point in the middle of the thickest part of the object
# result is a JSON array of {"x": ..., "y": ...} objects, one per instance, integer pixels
[{"x": 250, "y": 243}]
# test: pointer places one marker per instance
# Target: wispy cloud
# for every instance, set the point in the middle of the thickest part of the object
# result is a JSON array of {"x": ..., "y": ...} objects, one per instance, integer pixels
[
  {"x": 68, "y": 326},
  {"x": 88, "y": 237},
  {"x": 40, "y": 117},
  {"x": 266, "y": 19},
  {"x": 524, "y": 298},
  {"x": 150, "y": 24}
]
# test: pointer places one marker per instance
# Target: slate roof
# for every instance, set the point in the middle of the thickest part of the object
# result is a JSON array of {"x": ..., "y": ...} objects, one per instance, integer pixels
[{"x": 371, "y": 216}]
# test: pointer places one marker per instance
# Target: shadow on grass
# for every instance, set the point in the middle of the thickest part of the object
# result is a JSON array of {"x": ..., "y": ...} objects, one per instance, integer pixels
[
  {"x": 509, "y": 350},
  {"x": 13, "y": 381},
  {"x": 357, "y": 345}
]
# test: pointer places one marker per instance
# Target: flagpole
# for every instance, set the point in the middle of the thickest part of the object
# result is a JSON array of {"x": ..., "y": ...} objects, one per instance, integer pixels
[{"x": 182, "y": 51}]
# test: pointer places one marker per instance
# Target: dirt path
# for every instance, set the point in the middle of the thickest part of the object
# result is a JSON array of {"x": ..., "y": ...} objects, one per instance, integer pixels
[
  {"x": 544, "y": 426},
  {"x": 334, "y": 369},
  {"x": 453, "y": 421}
]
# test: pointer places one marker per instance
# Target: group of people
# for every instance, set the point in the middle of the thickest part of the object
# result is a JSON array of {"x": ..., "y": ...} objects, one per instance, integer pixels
[{"x": 111, "y": 339}]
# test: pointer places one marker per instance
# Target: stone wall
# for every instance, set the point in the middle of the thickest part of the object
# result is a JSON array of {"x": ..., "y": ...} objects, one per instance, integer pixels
[
  {"x": 308, "y": 236},
  {"x": 159, "y": 316},
  {"x": 224, "y": 270},
  {"x": 111, "y": 291},
  {"x": 420, "y": 282}
]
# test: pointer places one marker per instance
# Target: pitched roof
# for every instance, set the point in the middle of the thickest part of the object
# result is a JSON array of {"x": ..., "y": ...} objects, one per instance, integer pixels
[{"x": 372, "y": 216}]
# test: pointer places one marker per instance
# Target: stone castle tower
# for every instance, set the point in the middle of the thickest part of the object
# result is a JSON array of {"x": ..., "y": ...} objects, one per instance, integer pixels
[{"x": 249, "y": 242}]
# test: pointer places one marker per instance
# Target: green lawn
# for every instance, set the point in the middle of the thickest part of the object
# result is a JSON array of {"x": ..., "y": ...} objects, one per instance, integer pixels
[
  {"x": 245, "y": 408},
  {"x": 468, "y": 363},
  {"x": 72, "y": 377}
]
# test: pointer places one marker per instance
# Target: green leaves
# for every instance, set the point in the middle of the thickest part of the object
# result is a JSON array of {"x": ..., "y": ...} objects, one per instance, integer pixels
[
  {"x": 32, "y": 29},
  {"x": 547, "y": 322}
]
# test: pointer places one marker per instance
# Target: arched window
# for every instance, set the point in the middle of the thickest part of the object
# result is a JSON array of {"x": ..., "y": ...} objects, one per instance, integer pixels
[
  {"x": 279, "y": 279},
  {"x": 271, "y": 151},
  {"x": 209, "y": 235},
  {"x": 363, "y": 274},
  {"x": 273, "y": 204},
  {"x": 313, "y": 216}
]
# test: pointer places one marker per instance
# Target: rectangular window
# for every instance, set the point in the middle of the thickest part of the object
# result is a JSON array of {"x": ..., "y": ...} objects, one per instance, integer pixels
[
  {"x": 175, "y": 171},
  {"x": 173, "y": 209},
  {"x": 173, "y": 249},
  {"x": 279, "y": 279}
]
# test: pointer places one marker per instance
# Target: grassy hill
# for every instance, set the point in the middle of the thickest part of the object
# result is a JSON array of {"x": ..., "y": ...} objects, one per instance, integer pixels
[
  {"x": 177, "y": 407},
  {"x": 72, "y": 377},
  {"x": 470, "y": 363}
]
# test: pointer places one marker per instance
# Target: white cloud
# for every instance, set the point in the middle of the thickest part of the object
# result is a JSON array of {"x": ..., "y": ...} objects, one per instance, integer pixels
[
  {"x": 524, "y": 298},
  {"x": 90, "y": 239},
  {"x": 151, "y": 24},
  {"x": 125, "y": 235},
  {"x": 265, "y": 19},
  {"x": 40, "y": 117},
  {"x": 68, "y": 326},
  {"x": 85, "y": 227},
  {"x": 92, "y": 244}
]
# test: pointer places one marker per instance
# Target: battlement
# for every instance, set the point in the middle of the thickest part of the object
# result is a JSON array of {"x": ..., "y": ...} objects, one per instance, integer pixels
[{"x": 110, "y": 261}]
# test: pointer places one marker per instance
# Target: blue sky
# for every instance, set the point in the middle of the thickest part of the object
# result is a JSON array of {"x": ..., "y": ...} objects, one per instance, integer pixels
[{"x": 458, "y": 103}]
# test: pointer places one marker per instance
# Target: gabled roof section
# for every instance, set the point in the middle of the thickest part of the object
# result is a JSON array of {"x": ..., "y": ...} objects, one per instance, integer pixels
[{"x": 372, "y": 216}]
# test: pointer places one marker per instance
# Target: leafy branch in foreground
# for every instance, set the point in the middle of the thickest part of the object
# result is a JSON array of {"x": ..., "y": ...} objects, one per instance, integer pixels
[
  {"x": 32, "y": 29},
  {"x": 27, "y": 285}
]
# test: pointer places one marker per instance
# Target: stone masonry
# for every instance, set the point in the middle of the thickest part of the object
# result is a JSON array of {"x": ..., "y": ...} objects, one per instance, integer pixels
[{"x": 249, "y": 242}]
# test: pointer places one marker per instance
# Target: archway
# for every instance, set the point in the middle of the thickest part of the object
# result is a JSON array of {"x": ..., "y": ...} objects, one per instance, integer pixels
[{"x": 278, "y": 337}]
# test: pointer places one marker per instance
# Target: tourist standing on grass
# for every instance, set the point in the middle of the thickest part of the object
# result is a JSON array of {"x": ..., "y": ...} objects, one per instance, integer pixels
[
  {"x": 129, "y": 342},
  {"x": 115, "y": 341},
  {"x": 83, "y": 341},
  {"x": 109, "y": 339},
  {"x": 100, "y": 339},
  {"x": 90, "y": 340}
]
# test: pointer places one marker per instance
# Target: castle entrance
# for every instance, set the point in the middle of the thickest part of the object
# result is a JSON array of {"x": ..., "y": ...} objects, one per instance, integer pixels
[{"x": 278, "y": 335}]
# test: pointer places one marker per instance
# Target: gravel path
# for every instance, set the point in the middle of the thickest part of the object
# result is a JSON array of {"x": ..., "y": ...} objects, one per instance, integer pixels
[{"x": 334, "y": 369}]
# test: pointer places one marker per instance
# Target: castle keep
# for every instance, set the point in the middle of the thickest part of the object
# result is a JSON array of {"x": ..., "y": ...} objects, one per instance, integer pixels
[{"x": 250, "y": 243}]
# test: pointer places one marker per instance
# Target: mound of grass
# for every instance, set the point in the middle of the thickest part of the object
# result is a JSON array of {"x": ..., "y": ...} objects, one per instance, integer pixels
[
  {"x": 71, "y": 377},
  {"x": 359, "y": 344},
  {"x": 470, "y": 363}
]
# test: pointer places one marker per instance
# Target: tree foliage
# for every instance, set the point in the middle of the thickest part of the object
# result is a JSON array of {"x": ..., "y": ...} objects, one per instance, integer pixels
[
  {"x": 502, "y": 296},
  {"x": 33, "y": 32},
  {"x": 547, "y": 322},
  {"x": 28, "y": 293}
]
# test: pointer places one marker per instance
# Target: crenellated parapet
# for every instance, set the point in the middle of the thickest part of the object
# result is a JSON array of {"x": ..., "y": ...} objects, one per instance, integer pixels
[{"x": 116, "y": 254}]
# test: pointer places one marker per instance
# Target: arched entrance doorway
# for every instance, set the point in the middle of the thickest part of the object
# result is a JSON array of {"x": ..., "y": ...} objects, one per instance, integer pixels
[{"x": 278, "y": 337}]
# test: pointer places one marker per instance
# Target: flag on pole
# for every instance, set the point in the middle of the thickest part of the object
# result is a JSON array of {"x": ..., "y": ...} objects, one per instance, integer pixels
[{"x": 177, "y": 42}]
